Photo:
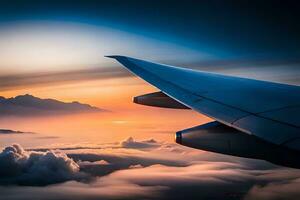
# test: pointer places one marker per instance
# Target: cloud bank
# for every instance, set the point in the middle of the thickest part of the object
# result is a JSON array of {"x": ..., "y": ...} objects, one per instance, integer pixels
[{"x": 128, "y": 170}]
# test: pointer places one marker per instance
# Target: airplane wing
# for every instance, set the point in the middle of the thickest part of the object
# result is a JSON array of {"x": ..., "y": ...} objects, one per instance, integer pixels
[{"x": 269, "y": 111}]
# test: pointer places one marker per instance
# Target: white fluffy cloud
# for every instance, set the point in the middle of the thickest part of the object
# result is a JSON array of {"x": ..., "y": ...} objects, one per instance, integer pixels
[{"x": 20, "y": 167}]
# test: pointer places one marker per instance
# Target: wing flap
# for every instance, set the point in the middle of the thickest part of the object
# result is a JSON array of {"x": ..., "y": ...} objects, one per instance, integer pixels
[{"x": 158, "y": 99}]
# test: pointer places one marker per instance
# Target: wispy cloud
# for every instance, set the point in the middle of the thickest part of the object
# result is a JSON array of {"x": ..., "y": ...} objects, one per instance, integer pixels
[
  {"x": 16, "y": 81},
  {"x": 270, "y": 69}
]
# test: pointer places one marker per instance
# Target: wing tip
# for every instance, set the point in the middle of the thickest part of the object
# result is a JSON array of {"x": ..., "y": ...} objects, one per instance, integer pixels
[{"x": 115, "y": 56}]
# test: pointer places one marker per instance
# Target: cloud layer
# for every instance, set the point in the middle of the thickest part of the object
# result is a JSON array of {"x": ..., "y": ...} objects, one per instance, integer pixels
[{"x": 133, "y": 170}]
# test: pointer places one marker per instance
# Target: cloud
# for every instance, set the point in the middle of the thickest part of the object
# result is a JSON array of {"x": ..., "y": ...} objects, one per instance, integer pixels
[
  {"x": 164, "y": 171},
  {"x": 78, "y": 191},
  {"x": 272, "y": 69},
  {"x": 277, "y": 191},
  {"x": 20, "y": 167},
  {"x": 99, "y": 162},
  {"x": 212, "y": 180},
  {"x": 182, "y": 172},
  {"x": 238, "y": 67},
  {"x": 199, "y": 181},
  {"x": 28, "y": 105},
  {"x": 130, "y": 143},
  {"x": 16, "y": 81},
  {"x": 118, "y": 159},
  {"x": 282, "y": 184}
]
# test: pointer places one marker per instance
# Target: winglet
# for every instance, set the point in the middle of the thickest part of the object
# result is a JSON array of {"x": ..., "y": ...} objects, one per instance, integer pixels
[{"x": 114, "y": 56}]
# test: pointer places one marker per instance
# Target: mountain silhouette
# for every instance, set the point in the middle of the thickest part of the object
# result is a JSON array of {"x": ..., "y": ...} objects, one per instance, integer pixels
[{"x": 28, "y": 105}]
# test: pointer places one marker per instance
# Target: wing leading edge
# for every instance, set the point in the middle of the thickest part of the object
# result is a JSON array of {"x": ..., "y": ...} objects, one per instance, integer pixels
[{"x": 267, "y": 110}]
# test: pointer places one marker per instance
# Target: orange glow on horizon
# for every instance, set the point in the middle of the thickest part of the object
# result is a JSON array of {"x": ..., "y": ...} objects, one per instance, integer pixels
[{"x": 124, "y": 118}]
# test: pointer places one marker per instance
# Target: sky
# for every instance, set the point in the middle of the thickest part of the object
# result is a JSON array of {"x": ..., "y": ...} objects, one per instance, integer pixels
[{"x": 55, "y": 50}]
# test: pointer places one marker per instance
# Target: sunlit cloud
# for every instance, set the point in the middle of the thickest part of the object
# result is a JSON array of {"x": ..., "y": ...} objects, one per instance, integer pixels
[
  {"x": 131, "y": 143},
  {"x": 119, "y": 122}
]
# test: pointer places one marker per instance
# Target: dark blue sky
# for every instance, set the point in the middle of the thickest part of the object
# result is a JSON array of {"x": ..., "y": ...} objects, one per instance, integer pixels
[{"x": 229, "y": 28}]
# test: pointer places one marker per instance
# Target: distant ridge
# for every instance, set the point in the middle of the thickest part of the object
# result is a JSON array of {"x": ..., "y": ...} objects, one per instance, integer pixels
[
  {"x": 9, "y": 131},
  {"x": 28, "y": 105}
]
